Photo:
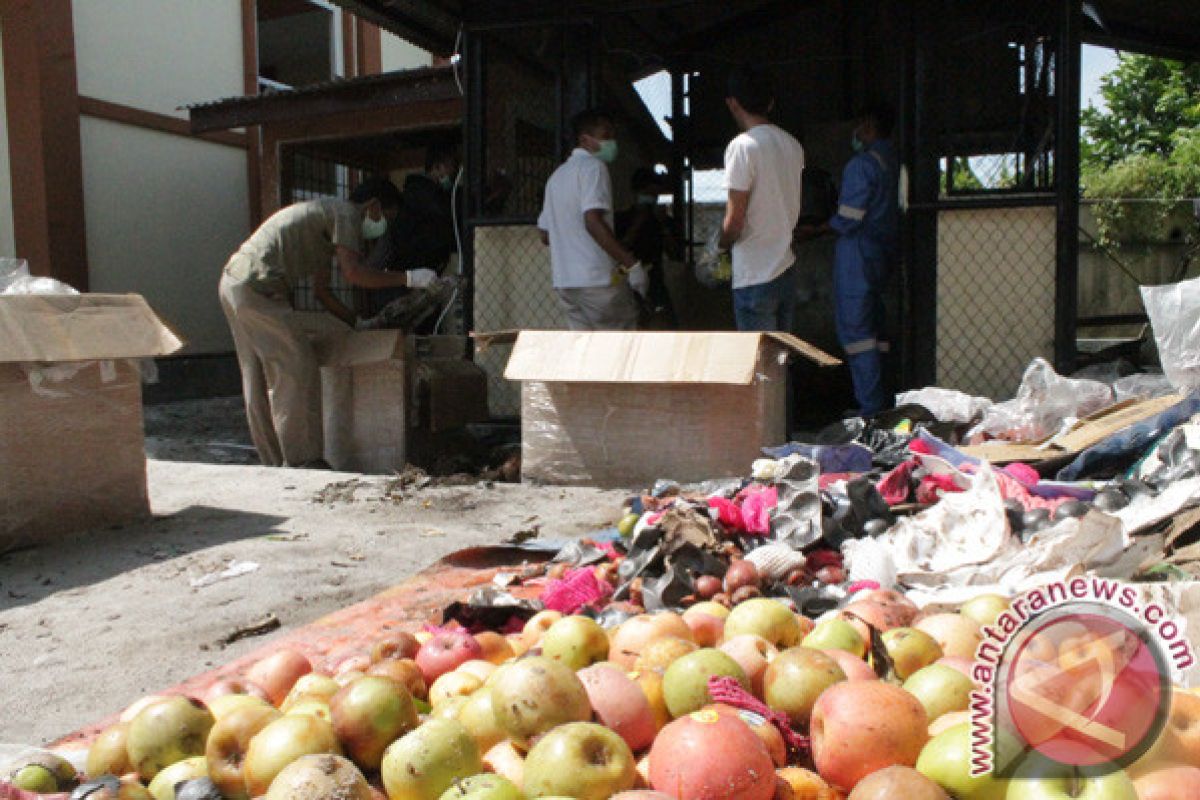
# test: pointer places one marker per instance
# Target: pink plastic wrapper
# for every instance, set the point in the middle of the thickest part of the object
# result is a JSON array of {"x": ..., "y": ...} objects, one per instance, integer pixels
[{"x": 578, "y": 589}]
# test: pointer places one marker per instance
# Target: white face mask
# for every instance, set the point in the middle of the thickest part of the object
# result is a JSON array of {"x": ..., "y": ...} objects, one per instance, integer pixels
[{"x": 374, "y": 228}]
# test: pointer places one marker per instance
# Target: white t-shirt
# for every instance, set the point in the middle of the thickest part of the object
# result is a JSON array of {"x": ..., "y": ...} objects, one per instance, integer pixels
[
  {"x": 580, "y": 185},
  {"x": 768, "y": 162}
]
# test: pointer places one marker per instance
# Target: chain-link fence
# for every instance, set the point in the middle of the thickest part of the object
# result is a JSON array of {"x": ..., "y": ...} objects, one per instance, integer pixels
[{"x": 310, "y": 177}]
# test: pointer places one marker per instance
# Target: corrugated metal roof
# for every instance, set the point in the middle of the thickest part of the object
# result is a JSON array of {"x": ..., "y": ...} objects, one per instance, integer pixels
[{"x": 407, "y": 77}]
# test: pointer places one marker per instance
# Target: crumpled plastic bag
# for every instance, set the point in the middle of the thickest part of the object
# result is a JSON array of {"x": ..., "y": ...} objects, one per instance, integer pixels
[
  {"x": 1045, "y": 403},
  {"x": 714, "y": 268},
  {"x": 15, "y": 279},
  {"x": 1143, "y": 386},
  {"x": 946, "y": 405},
  {"x": 1174, "y": 311}
]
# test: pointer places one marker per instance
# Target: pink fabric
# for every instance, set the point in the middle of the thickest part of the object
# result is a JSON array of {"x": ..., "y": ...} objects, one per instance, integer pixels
[
  {"x": 1014, "y": 489},
  {"x": 1023, "y": 473},
  {"x": 757, "y": 508},
  {"x": 730, "y": 692},
  {"x": 896, "y": 485},
  {"x": 577, "y": 589},
  {"x": 921, "y": 447},
  {"x": 609, "y": 549},
  {"x": 728, "y": 514},
  {"x": 862, "y": 586},
  {"x": 932, "y": 487}
]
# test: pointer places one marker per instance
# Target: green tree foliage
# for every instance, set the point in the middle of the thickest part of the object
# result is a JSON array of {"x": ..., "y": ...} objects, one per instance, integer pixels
[
  {"x": 1145, "y": 146},
  {"x": 1148, "y": 101}
]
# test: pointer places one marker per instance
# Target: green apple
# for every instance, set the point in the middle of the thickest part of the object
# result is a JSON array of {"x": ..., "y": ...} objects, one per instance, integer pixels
[
  {"x": 910, "y": 650},
  {"x": 368, "y": 715},
  {"x": 424, "y": 763},
  {"x": 941, "y": 689},
  {"x": 946, "y": 760},
  {"x": 985, "y": 608},
  {"x": 533, "y": 695},
  {"x": 576, "y": 641},
  {"x": 795, "y": 679},
  {"x": 1038, "y": 778},
  {"x": 581, "y": 760},
  {"x": 35, "y": 778},
  {"x": 479, "y": 718},
  {"x": 483, "y": 787},
  {"x": 835, "y": 634},
  {"x": 765, "y": 617},
  {"x": 163, "y": 785},
  {"x": 685, "y": 683}
]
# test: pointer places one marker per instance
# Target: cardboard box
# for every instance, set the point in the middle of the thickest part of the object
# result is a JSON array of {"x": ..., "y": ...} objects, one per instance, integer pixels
[
  {"x": 615, "y": 409},
  {"x": 72, "y": 454},
  {"x": 378, "y": 386}
]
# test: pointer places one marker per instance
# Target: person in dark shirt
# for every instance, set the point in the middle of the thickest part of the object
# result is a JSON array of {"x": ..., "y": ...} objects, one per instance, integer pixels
[
  {"x": 649, "y": 233},
  {"x": 422, "y": 235}
]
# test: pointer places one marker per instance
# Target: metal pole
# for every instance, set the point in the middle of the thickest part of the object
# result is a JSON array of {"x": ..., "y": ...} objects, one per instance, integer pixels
[
  {"x": 474, "y": 127},
  {"x": 1066, "y": 165}
]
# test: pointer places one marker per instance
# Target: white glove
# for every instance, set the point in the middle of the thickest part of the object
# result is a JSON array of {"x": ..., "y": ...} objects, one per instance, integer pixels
[
  {"x": 639, "y": 279},
  {"x": 421, "y": 278}
]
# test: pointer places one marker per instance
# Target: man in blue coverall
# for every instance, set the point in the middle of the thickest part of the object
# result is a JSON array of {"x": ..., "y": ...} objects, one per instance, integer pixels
[{"x": 867, "y": 224}]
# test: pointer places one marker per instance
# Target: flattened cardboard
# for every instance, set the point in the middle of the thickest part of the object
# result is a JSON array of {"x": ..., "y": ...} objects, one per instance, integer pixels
[
  {"x": 1086, "y": 433},
  {"x": 648, "y": 357},
  {"x": 83, "y": 327}
]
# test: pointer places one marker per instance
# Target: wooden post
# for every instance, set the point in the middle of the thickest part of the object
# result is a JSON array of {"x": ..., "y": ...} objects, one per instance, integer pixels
[{"x": 45, "y": 154}]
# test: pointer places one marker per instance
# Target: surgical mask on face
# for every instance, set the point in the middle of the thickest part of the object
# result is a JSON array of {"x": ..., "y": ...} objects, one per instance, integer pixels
[
  {"x": 857, "y": 143},
  {"x": 608, "y": 150},
  {"x": 374, "y": 228}
]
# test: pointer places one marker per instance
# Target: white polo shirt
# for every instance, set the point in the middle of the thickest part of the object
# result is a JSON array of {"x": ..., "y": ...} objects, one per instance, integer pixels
[
  {"x": 579, "y": 185},
  {"x": 768, "y": 162}
]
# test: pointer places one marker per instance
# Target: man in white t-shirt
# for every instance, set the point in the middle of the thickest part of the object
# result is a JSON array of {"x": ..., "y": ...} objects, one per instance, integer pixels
[
  {"x": 764, "y": 166},
  {"x": 595, "y": 276}
]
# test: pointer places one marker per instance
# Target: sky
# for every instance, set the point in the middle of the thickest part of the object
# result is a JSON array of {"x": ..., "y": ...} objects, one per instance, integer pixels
[{"x": 1097, "y": 62}]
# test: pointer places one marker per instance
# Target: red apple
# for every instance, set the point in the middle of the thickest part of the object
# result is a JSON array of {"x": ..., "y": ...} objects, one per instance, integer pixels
[
  {"x": 710, "y": 756},
  {"x": 370, "y": 714},
  {"x": 444, "y": 652},
  {"x": 753, "y": 654},
  {"x": 400, "y": 644},
  {"x": 636, "y": 632},
  {"x": 619, "y": 703},
  {"x": 955, "y": 634},
  {"x": 278, "y": 672},
  {"x": 861, "y": 727},
  {"x": 405, "y": 672},
  {"x": 1180, "y": 782},
  {"x": 707, "y": 629},
  {"x": 891, "y": 783},
  {"x": 767, "y": 733}
]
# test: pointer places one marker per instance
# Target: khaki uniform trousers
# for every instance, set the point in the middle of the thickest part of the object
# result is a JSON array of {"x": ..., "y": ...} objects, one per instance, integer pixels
[
  {"x": 600, "y": 308},
  {"x": 281, "y": 378}
]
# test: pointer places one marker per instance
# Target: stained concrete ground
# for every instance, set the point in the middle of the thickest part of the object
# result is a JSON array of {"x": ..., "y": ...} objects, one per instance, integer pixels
[{"x": 97, "y": 621}]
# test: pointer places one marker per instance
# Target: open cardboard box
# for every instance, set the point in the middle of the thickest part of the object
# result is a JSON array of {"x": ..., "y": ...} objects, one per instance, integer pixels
[
  {"x": 617, "y": 409},
  {"x": 72, "y": 453}
]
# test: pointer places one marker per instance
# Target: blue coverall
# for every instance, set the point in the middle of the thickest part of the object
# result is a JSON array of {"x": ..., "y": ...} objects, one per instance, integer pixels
[{"x": 867, "y": 224}]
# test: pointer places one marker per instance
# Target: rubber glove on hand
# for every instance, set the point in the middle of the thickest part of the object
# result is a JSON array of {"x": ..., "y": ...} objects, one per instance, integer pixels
[
  {"x": 639, "y": 279},
  {"x": 421, "y": 278}
]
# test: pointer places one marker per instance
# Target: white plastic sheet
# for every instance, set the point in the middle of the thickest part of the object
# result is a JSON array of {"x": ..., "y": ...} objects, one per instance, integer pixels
[
  {"x": 946, "y": 404},
  {"x": 15, "y": 279},
  {"x": 1174, "y": 311},
  {"x": 1045, "y": 403}
]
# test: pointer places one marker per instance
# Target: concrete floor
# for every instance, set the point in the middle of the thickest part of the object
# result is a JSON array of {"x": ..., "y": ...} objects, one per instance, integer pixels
[{"x": 92, "y": 624}]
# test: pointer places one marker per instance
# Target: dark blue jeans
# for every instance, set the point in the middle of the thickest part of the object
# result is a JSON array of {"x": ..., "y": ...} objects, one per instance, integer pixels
[{"x": 767, "y": 306}]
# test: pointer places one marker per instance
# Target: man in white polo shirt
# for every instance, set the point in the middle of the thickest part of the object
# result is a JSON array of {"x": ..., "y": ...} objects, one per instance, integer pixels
[
  {"x": 594, "y": 274},
  {"x": 764, "y": 166}
]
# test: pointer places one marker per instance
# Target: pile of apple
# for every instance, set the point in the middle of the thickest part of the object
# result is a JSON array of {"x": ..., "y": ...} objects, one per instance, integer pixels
[{"x": 567, "y": 709}]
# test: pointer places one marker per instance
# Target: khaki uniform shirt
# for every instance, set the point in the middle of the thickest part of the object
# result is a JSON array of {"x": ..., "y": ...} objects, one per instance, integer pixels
[{"x": 297, "y": 242}]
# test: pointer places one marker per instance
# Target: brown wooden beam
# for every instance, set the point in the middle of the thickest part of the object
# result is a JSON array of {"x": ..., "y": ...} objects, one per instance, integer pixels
[
  {"x": 250, "y": 87},
  {"x": 349, "y": 51},
  {"x": 43, "y": 138},
  {"x": 410, "y": 117},
  {"x": 370, "y": 48},
  {"x": 150, "y": 120}
]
